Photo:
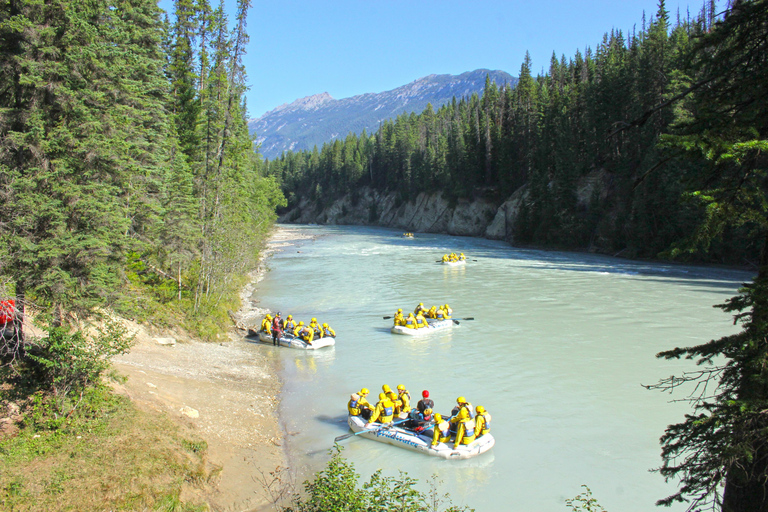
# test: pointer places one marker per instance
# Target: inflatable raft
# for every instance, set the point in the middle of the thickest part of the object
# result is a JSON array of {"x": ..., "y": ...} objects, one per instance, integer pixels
[
  {"x": 291, "y": 341},
  {"x": 434, "y": 325},
  {"x": 455, "y": 263},
  {"x": 420, "y": 442}
]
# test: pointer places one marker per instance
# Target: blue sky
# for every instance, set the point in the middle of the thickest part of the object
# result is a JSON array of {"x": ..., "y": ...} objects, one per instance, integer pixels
[{"x": 349, "y": 47}]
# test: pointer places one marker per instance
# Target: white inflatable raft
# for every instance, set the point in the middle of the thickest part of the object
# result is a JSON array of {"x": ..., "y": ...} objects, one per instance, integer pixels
[
  {"x": 293, "y": 342},
  {"x": 455, "y": 263},
  {"x": 434, "y": 325},
  {"x": 421, "y": 442}
]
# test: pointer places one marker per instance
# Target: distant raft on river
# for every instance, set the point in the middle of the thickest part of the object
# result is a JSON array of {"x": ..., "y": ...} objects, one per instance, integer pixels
[{"x": 420, "y": 442}]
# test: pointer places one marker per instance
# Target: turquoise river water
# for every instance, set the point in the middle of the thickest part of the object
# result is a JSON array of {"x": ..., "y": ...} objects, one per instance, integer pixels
[{"x": 557, "y": 352}]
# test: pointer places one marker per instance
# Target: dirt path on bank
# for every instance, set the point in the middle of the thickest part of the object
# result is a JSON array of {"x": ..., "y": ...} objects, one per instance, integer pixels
[{"x": 228, "y": 394}]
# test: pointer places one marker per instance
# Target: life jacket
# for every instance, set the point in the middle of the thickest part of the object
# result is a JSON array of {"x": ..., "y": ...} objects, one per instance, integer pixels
[
  {"x": 470, "y": 410},
  {"x": 486, "y": 423},
  {"x": 327, "y": 332},
  {"x": 276, "y": 325},
  {"x": 410, "y": 322},
  {"x": 469, "y": 432},
  {"x": 352, "y": 405},
  {"x": 424, "y": 404},
  {"x": 290, "y": 325},
  {"x": 445, "y": 429},
  {"x": 440, "y": 315},
  {"x": 388, "y": 411}
]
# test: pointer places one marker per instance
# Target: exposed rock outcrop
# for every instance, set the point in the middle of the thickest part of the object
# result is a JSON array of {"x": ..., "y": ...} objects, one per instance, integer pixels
[{"x": 433, "y": 213}]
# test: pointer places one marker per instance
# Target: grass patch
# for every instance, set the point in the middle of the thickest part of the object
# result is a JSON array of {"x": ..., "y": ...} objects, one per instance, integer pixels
[{"x": 107, "y": 456}]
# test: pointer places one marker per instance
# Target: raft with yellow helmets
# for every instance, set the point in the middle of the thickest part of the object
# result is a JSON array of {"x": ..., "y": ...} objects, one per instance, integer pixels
[
  {"x": 420, "y": 442},
  {"x": 295, "y": 342},
  {"x": 433, "y": 326}
]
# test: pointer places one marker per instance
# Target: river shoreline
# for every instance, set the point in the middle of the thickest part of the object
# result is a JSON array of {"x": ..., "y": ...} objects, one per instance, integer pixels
[{"x": 225, "y": 392}]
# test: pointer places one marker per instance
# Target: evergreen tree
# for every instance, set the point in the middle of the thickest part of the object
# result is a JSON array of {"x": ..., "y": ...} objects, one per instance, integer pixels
[{"x": 725, "y": 136}]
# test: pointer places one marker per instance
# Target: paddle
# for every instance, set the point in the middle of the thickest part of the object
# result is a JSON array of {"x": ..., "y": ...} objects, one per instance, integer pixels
[{"x": 346, "y": 436}]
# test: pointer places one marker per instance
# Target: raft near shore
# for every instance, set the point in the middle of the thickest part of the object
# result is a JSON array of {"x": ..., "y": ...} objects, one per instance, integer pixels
[
  {"x": 434, "y": 325},
  {"x": 410, "y": 440},
  {"x": 292, "y": 341}
]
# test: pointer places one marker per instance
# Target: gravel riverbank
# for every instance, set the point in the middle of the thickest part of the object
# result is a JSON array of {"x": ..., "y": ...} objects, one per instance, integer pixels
[{"x": 226, "y": 391}]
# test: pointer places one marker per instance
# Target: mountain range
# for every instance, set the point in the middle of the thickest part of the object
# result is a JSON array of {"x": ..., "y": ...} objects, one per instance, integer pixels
[{"x": 314, "y": 120}]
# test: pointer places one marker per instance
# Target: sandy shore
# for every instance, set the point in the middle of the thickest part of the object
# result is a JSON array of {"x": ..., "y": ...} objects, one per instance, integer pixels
[{"x": 226, "y": 391}]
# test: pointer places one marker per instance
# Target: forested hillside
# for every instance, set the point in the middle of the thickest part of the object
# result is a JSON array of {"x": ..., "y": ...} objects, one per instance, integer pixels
[
  {"x": 127, "y": 174},
  {"x": 542, "y": 138}
]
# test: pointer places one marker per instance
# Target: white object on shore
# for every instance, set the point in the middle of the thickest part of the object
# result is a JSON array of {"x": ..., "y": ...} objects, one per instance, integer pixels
[
  {"x": 165, "y": 341},
  {"x": 434, "y": 325},
  {"x": 421, "y": 442},
  {"x": 188, "y": 411}
]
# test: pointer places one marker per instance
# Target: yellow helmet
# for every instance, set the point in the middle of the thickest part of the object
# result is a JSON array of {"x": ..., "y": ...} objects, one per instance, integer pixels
[
  {"x": 364, "y": 391},
  {"x": 314, "y": 319},
  {"x": 290, "y": 317},
  {"x": 399, "y": 310},
  {"x": 400, "y": 387},
  {"x": 447, "y": 306},
  {"x": 269, "y": 317},
  {"x": 463, "y": 414},
  {"x": 438, "y": 417},
  {"x": 382, "y": 396},
  {"x": 301, "y": 322},
  {"x": 325, "y": 325},
  {"x": 461, "y": 400},
  {"x": 428, "y": 411},
  {"x": 386, "y": 388},
  {"x": 480, "y": 409}
]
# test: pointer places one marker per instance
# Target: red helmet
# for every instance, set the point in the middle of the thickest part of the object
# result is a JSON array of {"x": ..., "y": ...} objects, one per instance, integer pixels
[{"x": 425, "y": 393}]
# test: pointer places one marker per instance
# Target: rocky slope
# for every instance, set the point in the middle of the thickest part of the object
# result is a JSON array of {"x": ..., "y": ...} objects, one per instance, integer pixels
[
  {"x": 432, "y": 213},
  {"x": 317, "y": 119}
]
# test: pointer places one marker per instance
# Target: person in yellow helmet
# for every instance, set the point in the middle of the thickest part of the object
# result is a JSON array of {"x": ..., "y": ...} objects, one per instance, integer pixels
[
  {"x": 390, "y": 394},
  {"x": 442, "y": 433},
  {"x": 403, "y": 403},
  {"x": 266, "y": 324},
  {"x": 465, "y": 433},
  {"x": 358, "y": 405},
  {"x": 328, "y": 332},
  {"x": 445, "y": 258},
  {"x": 315, "y": 326},
  {"x": 304, "y": 332},
  {"x": 462, "y": 405},
  {"x": 448, "y": 311},
  {"x": 419, "y": 309},
  {"x": 432, "y": 313},
  {"x": 482, "y": 421},
  {"x": 410, "y": 322},
  {"x": 462, "y": 257},
  {"x": 384, "y": 411},
  {"x": 290, "y": 324},
  {"x": 399, "y": 318},
  {"x": 421, "y": 321},
  {"x": 440, "y": 314}
]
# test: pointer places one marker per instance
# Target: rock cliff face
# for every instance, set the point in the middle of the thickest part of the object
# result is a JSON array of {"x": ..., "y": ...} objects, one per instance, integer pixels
[{"x": 432, "y": 213}]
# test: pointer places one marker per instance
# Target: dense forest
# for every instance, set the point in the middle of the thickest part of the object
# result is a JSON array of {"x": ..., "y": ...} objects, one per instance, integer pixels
[
  {"x": 125, "y": 159},
  {"x": 545, "y": 135}
]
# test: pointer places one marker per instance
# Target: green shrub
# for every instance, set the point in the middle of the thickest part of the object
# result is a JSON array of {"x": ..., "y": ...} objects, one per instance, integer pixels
[{"x": 336, "y": 489}]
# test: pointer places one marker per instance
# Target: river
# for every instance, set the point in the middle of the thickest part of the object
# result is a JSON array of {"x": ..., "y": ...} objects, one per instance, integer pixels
[{"x": 557, "y": 352}]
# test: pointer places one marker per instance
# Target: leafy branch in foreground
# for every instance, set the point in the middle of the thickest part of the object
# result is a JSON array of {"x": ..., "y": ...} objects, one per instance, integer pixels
[{"x": 336, "y": 488}]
